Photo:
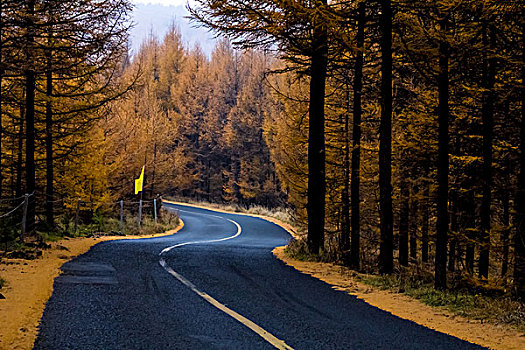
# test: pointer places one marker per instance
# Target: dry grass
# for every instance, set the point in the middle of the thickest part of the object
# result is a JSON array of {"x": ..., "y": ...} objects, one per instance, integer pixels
[
  {"x": 504, "y": 337},
  {"x": 466, "y": 296},
  {"x": 298, "y": 250},
  {"x": 496, "y": 308},
  {"x": 108, "y": 225},
  {"x": 281, "y": 214},
  {"x": 101, "y": 226}
]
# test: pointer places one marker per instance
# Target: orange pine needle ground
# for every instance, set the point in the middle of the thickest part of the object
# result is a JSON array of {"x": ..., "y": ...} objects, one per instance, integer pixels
[
  {"x": 30, "y": 284},
  {"x": 340, "y": 278}
]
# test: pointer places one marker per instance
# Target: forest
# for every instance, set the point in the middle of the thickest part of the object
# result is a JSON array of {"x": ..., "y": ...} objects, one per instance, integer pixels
[
  {"x": 411, "y": 131},
  {"x": 394, "y": 130}
]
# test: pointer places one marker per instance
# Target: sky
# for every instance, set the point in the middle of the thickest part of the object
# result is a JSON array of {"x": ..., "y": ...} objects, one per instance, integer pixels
[
  {"x": 157, "y": 15},
  {"x": 163, "y": 2}
]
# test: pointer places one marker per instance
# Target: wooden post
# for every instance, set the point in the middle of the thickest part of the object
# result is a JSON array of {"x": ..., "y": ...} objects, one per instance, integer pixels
[
  {"x": 155, "y": 209},
  {"x": 76, "y": 215},
  {"x": 159, "y": 209},
  {"x": 140, "y": 213},
  {"x": 121, "y": 215},
  {"x": 24, "y": 217}
]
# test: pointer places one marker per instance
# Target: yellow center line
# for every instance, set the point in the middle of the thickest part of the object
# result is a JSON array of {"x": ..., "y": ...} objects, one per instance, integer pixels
[{"x": 270, "y": 338}]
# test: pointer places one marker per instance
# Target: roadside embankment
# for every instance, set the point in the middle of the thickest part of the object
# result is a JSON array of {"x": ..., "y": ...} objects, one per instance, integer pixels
[
  {"x": 475, "y": 331},
  {"x": 29, "y": 284}
]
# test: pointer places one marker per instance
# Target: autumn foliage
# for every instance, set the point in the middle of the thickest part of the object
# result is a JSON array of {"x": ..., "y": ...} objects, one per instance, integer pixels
[{"x": 395, "y": 130}]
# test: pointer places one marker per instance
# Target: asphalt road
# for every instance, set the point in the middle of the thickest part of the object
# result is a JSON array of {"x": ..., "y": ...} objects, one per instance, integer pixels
[{"x": 226, "y": 294}]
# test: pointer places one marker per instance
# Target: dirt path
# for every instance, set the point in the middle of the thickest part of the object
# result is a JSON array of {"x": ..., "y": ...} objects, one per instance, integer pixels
[
  {"x": 485, "y": 334},
  {"x": 30, "y": 284}
]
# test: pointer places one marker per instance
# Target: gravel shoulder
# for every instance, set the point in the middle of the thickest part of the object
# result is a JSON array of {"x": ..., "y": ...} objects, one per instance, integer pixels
[{"x": 29, "y": 284}]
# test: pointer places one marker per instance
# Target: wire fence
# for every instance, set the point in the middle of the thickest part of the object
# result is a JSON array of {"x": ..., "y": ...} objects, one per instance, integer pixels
[
  {"x": 13, "y": 210},
  {"x": 72, "y": 213}
]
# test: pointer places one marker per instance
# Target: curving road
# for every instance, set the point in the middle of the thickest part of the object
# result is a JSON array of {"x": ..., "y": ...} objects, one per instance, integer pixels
[{"x": 227, "y": 292}]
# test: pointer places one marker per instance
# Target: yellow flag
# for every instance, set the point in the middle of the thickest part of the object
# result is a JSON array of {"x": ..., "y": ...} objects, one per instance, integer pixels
[{"x": 139, "y": 182}]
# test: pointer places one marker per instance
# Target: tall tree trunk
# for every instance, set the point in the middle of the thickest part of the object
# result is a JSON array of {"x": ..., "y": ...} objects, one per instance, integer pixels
[
  {"x": 355, "y": 186},
  {"x": 20, "y": 149},
  {"x": 414, "y": 209},
  {"x": 208, "y": 181},
  {"x": 505, "y": 199},
  {"x": 470, "y": 223},
  {"x": 440, "y": 268},
  {"x": 345, "y": 195},
  {"x": 316, "y": 138},
  {"x": 30, "y": 85},
  {"x": 1, "y": 129},
  {"x": 425, "y": 224},
  {"x": 403, "y": 223},
  {"x": 386, "y": 247},
  {"x": 12, "y": 163},
  {"x": 50, "y": 191},
  {"x": 1, "y": 101},
  {"x": 519, "y": 239},
  {"x": 452, "y": 252},
  {"x": 487, "y": 114},
  {"x": 505, "y": 233}
]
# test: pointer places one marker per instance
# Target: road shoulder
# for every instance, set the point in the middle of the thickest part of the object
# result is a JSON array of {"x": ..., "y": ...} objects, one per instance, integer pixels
[
  {"x": 474, "y": 331},
  {"x": 340, "y": 278},
  {"x": 30, "y": 284}
]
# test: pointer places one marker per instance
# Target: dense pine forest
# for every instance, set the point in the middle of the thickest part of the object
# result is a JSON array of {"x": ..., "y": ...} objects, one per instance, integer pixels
[
  {"x": 196, "y": 123},
  {"x": 401, "y": 141},
  {"x": 394, "y": 130}
]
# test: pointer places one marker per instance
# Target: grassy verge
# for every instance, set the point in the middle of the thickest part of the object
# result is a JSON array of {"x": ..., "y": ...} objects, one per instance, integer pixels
[
  {"x": 106, "y": 225},
  {"x": 466, "y": 297},
  {"x": 99, "y": 226},
  {"x": 298, "y": 250},
  {"x": 499, "y": 309}
]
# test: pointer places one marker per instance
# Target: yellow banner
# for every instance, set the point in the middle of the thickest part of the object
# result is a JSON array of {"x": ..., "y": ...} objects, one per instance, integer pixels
[{"x": 139, "y": 182}]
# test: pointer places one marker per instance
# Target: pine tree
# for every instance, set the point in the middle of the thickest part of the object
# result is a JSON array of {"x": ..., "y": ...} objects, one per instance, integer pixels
[
  {"x": 519, "y": 239},
  {"x": 385, "y": 137}
]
